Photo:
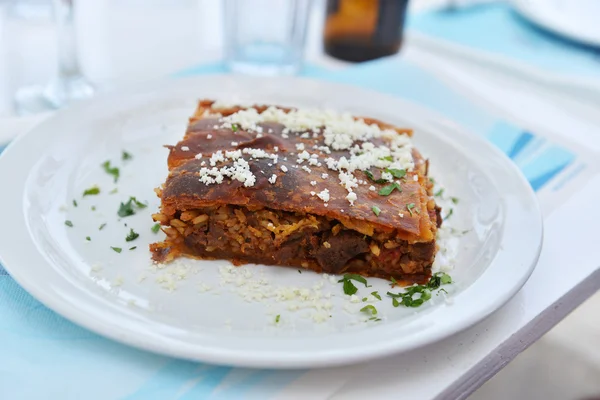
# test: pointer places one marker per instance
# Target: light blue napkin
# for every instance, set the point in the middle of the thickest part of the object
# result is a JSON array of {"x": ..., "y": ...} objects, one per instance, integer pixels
[
  {"x": 43, "y": 356},
  {"x": 497, "y": 29}
]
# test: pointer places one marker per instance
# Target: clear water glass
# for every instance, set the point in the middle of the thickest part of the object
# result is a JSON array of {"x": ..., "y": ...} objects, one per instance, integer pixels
[
  {"x": 69, "y": 85},
  {"x": 265, "y": 37}
]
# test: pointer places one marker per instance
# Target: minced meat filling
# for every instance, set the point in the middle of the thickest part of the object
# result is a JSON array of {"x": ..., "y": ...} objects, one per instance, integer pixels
[{"x": 293, "y": 239}]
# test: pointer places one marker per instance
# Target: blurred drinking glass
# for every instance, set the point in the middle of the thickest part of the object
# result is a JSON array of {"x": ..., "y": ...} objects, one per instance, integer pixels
[
  {"x": 69, "y": 85},
  {"x": 265, "y": 37}
]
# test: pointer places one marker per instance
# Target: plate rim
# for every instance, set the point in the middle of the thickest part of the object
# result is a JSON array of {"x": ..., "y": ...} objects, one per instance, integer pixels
[{"x": 250, "y": 358}]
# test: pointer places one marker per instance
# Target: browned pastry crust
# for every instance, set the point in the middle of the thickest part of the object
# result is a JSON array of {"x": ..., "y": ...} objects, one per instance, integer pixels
[{"x": 281, "y": 222}]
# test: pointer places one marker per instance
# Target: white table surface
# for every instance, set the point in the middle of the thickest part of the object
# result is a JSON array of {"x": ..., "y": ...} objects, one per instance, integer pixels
[{"x": 454, "y": 367}]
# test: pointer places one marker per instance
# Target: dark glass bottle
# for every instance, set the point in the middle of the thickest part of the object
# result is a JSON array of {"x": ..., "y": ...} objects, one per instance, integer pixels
[{"x": 362, "y": 30}]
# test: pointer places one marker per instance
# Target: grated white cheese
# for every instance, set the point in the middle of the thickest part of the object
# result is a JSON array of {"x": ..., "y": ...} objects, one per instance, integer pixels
[
  {"x": 324, "y": 195},
  {"x": 96, "y": 267},
  {"x": 240, "y": 171},
  {"x": 304, "y": 155},
  {"x": 387, "y": 176},
  {"x": 118, "y": 281},
  {"x": 185, "y": 148},
  {"x": 203, "y": 287},
  {"x": 340, "y": 131},
  {"x": 351, "y": 198},
  {"x": 272, "y": 179},
  {"x": 253, "y": 289}
]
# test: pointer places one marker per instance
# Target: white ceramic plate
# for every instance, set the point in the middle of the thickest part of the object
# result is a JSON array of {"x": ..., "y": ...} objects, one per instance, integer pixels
[
  {"x": 122, "y": 297},
  {"x": 575, "y": 19}
]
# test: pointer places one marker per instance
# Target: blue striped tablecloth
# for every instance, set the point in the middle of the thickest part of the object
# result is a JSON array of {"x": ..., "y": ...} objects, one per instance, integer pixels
[
  {"x": 44, "y": 356},
  {"x": 496, "y": 29}
]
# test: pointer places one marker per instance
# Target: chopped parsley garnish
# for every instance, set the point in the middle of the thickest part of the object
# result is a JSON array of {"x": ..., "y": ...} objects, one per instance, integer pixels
[
  {"x": 387, "y": 190},
  {"x": 74, "y": 203},
  {"x": 450, "y": 212},
  {"x": 365, "y": 299},
  {"x": 139, "y": 204},
  {"x": 376, "y": 210},
  {"x": 102, "y": 226},
  {"x": 114, "y": 171},
  {"x": 299, "y": 271},
  {"x": 115, "y": 190},
  {"x": 410, "y": 207},
  {"x": 457, "y": 232},
  {"x": 431, "y": 180},
  {"x": 369, "y": 175},
  {"x": 69, "y": 223},
  {"x": 93, "y": 191},
  {"x": 126, "y": 156},
  {"x": 439, "y": 279},
  {"x": 89, "y": 239},
  {"x": 127, "y": 209},
  {"x": 415, "y": 296},
  {"x": 376, "y": 295},
  {"x": 396, "y": 173},
  {"x": 132, "y": 235},
  {"x": 394, "y": 282},
  {"x": 408, "y": 299},
  {"x": 133, "y": 248},
  {"x": 117, "y": 249},
  {"x": 155, "y": 228},
  {"x": 439, "y": 193},
  {"x": 370, "y": 309},
  {"x": 454, "y": 200},
  {"x": 277, "y": 318},
  {"x": 234, "y": 127},
  {"x": 387, "y": 158},
  {"x": 349, "y": 287},
  {"x": 375, "y": 319}
]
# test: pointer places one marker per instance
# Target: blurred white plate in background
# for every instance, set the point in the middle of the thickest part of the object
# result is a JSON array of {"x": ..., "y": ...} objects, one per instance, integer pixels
[{"x": 575, "y": 19}]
